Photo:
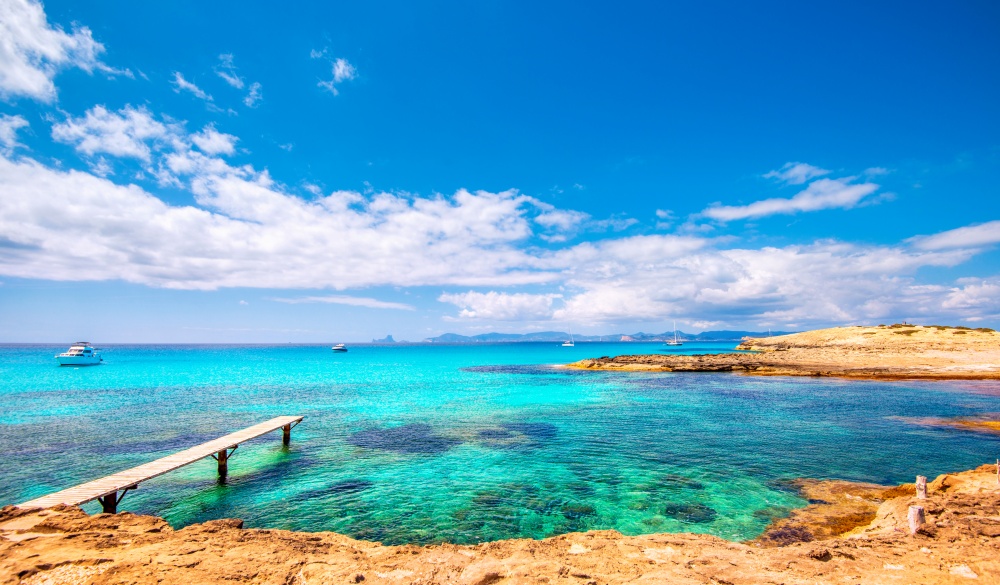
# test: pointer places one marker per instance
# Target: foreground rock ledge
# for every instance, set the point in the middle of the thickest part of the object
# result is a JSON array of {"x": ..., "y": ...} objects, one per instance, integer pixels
[
  {"x": 959, "y": 544},
  {"x": 884, "y": 352}
]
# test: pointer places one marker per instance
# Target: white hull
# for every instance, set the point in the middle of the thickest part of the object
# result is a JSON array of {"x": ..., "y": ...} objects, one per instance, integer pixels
[
  {"x": 675, "y": 341},
  {"x": 78, "y": 360},
  {"x": 79, "y": 354}
]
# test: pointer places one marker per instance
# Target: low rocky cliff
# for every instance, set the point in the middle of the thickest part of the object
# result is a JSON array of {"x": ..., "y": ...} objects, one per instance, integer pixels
[{"x": 851, "y": 534}]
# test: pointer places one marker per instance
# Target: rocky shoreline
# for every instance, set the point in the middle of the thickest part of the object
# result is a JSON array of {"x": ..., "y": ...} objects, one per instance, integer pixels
[
  {"x": 883, "y": 352},
  {"x": 850, "y": 533}
]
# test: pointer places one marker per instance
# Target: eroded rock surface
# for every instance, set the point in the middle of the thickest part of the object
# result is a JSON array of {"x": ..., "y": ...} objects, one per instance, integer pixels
[{"x": 959, "y": 544}]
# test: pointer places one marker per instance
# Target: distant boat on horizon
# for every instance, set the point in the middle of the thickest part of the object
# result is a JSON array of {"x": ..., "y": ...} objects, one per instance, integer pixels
[
  {"x": 339, "y": 347},
  {"x": 675, "y": 341},
  {"x": 80, "y": 353},
  {"x": 570, "y": 342}
]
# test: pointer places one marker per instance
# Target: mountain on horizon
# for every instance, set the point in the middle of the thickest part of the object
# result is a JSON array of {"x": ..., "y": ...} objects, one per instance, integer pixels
[{"x": 615, "y": 337}]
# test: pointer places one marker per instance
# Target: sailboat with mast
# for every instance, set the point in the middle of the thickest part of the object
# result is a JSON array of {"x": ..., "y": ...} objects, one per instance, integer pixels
[
  {"x": 674, "y": 341},
  {"x": 569, "y": 343}
]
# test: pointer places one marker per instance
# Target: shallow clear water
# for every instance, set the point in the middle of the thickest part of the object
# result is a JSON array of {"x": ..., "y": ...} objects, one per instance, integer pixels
[{"x": 467, "y": 443}]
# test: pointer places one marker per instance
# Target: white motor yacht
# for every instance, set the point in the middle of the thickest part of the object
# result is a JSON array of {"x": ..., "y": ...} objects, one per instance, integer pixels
[
  {"x": 80, "y": 353},
  {"x": 339, "y": 347}
]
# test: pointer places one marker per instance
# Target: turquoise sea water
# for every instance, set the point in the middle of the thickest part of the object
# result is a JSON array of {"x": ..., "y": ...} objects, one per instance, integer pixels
[{"x": 467, "y": 443}]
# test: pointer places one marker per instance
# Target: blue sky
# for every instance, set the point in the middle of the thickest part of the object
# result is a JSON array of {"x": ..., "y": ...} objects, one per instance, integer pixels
[{"x": 231, "y": 172}]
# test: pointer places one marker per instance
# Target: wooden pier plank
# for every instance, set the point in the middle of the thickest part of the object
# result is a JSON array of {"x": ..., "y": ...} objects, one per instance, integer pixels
[{"x": 97, "y": 488}]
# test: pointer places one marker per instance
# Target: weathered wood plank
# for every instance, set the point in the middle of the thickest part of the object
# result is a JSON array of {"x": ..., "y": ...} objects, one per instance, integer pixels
[{"x": 97, "y": 488}]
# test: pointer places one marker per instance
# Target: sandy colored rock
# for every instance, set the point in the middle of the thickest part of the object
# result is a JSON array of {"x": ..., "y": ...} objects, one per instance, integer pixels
[
  {"x": 960, "y": 545},
  {"x": 884, "y": 352},
  {"x": 991, "y": 425},
  {"x": 836, "y": 507},
  {"x": 985, "y": 423}
]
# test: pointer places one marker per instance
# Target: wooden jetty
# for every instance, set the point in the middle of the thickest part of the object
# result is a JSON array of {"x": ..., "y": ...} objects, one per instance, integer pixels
[{"x": 106, "y": 490}]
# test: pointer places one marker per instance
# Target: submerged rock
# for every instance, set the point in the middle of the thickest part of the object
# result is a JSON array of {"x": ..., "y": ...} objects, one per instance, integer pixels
[
  {"x": 344, "y": 487},
  {"x": 577, "y": 511},
  {"x": 518, "y": 436},
  {"x": 410, "y": 438},
  {"x": 536, "y": 431},
  {"x": 690, "y": 513},
  {"x": 506, "y": 369},
  {"x": 496, "y": 434},
  {"x": 679, "y": 481},
  {"x": 352, "y": 485}
]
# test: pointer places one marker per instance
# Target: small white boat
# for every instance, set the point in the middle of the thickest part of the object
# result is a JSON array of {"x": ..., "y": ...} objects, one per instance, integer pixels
[
  {"x": 80, "y": 354},
  {"x": 674, "y": 341},
  {"x": 570, "y": 342},
  {"x": 339, "y": 347}
]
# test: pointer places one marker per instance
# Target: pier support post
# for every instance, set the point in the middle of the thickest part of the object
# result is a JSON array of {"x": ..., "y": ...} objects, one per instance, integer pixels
[
  {"x": 921, "y": 487},
  {"x": 109, "y": 503},
  {"x": 223, "y": 459},
  {"x": 286, "y": 434},
  {"x": 915, "y": 516}
]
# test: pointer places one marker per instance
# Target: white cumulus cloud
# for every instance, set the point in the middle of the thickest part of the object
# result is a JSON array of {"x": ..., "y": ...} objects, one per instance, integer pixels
[
  {"x": 970, "y": 236},
  {"x": 561, "y": 219},
  {"x": 245, "y": 231},
  {"x": 347, "y": 300},
  {"x": 227, "y": 71},
  {"x": 796, "y": 173},
  {"x": 253, "y": 97},
  {"x": 211, "y": 141},
  {"x": 980, "y": 297},
  {"x": 243, "y": 228},
  {"x": 342, "y": 71},
  {"x": 659, "y": 277},
  {"x": 32, "y": 51},
  {"x": 820, "y": 194},
  {"x": 185, "y": 85},
  {"x": 9, "y": 125},
  {"x": 826, "y": 282},
  {"x": 499, "y": 306},
  {"x": 124, "y": 133}
]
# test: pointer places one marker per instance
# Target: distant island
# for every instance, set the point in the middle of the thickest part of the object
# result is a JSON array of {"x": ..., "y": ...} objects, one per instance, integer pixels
[
  {"x": 735, "y": 336},
  {"x": 386, "y": 339}
]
